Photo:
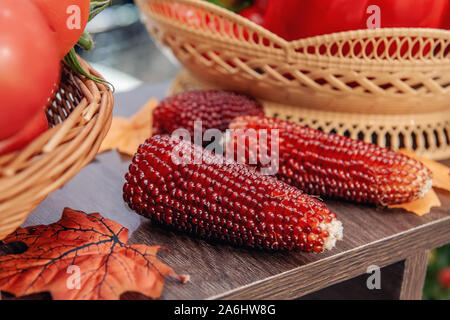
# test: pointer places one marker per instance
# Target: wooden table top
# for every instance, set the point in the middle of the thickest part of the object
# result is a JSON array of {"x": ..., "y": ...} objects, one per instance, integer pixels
[{"x": 371, "y": 236}]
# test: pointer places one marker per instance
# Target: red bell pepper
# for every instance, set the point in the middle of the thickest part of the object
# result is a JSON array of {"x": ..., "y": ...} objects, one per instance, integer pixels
[
  {"x": 414, "y": 14},
  {"x": 296, "y": 19},
  {"x": 446, "y": 22}
]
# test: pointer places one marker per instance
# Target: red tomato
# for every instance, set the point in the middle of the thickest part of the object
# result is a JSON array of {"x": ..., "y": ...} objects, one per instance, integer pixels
[
  {"x": 67, "y": 18},
  {"x": 34, "y": 128},
  {"x": 444, "y": 277},
  {"x": 255, "y": 12},
  {"x": 296, "y": 19},
  {"x": 29, "y": 64}
]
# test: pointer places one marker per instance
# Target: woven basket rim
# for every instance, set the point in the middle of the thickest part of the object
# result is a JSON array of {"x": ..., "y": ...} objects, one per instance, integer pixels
[
  {"x": 286, "y": 50},
  {"x": 402, "y": 130},
  {"x": 55, "y": 127},
  {"x": 217, "y": 9},
  {"x": 314, "y": 39},
  {"x": 81, "y": 122}
]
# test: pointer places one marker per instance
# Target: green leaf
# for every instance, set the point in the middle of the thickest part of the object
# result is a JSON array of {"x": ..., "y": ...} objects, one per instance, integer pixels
[{"x": 97, "y": 7}]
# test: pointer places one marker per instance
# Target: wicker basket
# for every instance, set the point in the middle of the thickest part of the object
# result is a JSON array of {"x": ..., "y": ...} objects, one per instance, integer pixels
[
  {"x": 349, "y": 82},
  {"x": 79, "y": 116}
]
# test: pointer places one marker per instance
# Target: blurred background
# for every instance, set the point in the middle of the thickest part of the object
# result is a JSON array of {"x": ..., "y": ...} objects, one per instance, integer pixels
[
  {"x": 124, "y": 52},
  {"x": 437, "y": 283},
  {"x": 126, "y": 55}
]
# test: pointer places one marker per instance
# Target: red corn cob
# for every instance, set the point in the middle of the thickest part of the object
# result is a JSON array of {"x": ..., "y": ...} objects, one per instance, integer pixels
[
  {"x": 220, "y": 199},
  {"x": 333, "y": 166},
  {"x": 216, "y": 109}
]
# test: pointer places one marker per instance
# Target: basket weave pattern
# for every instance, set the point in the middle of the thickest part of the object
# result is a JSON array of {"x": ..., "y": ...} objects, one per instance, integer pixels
[
  {"x": 427, "y": 134},
  {"x": 79, "y": 116},
  {"x": 365, "y": 71},
  {"x": 387, "y": 86}
]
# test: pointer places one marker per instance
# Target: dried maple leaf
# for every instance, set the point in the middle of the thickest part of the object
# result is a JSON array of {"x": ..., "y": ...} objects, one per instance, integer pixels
[
  {"x": 126, "y": 135},
  {"x": 422, "y": 206},
  {"x": 441, "y": 180},
  {"x": 91, "y": 245},
  {"x": 441, "y": 173}
]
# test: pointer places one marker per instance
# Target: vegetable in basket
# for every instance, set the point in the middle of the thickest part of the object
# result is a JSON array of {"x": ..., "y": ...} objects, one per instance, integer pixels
[
  {"x": 35, "y": 35},
  {"x": 446, "y": 23},
  {"x": 34, "y": 128},
  {"x": 67, "y": 19},
  {"x": 30, "y": 69},
  {"x": 297, "y": 19},
  {"x": 402, "y": 13}
]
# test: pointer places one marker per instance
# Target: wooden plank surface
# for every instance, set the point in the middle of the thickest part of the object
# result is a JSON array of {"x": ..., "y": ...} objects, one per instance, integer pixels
[{"x": 371, "y": 236}]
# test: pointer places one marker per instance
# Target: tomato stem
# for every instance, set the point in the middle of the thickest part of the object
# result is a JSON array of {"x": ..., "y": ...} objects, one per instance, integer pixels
[
  {"x": 71, "y": 59},
  {"x": 86, "y": 42},
  {"x": 97, "y": 7}
]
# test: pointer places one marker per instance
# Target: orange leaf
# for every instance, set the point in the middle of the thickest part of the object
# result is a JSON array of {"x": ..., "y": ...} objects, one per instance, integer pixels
[
  {"x": 126, "y": 135},
  {"x": 422, "y": 206},
  {"x": 82, "y": 257},
  {"x": 441, "y": 173}
]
